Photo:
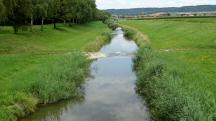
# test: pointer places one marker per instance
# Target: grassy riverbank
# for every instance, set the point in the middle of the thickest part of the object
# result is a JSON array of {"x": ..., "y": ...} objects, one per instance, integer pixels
[
  {"x": 42, "y": 67},
  {"x": 177, "y": 76}
]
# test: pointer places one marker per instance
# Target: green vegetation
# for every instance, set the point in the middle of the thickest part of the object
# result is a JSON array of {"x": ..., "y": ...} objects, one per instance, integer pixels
[
  {"x": 136, "y": 35},
  {"x": 49, "y": 82},
  {"x": 177, "y": 76},
  {"x": 111, "y": 23},
  {"x": 19, "y": 13},
  {"x": 42, "y": 67},
  {"x": 100, "y": 41},
  {"x": 64, "y": 39}
]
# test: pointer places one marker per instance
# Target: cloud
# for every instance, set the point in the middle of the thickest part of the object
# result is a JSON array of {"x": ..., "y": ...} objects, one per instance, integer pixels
[{"x": 108, "y": 4}]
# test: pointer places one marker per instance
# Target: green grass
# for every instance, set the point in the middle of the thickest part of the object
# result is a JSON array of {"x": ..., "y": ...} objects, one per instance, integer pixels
[
  {"x": 50, "y": 40},
  {"x": 42, "y": 67},
  {"x": 178, "y": 33},
  {"x": 179, "y": 82}
]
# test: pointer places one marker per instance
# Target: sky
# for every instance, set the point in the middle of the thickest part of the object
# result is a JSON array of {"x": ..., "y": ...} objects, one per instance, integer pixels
[{"x": 117, "y": 4}]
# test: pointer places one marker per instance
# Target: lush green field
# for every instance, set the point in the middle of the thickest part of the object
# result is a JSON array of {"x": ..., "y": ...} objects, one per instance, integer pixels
[
  {"x": 50, "y": 40},
  {"x": 44, "y": 66},
  {"x": 183, "y": 60},
  {"x": 190, "y": 40}
]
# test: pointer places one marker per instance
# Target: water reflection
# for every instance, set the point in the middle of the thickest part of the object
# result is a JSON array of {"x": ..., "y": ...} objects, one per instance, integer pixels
[
  {"x": 110, "y": 95},
  {"x": 53, "y": 112}
]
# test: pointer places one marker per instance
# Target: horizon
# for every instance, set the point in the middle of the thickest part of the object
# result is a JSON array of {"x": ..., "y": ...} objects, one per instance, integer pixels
[
  {"x": 160, "y": 7},
  {"x": 130, "y": 4}
]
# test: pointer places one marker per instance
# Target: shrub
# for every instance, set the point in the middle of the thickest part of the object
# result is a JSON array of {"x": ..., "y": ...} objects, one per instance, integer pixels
[{"x": 112, "y": 23}]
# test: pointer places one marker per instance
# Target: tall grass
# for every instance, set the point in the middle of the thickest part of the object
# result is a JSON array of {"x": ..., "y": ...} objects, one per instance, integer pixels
[
  {"x": 135, "y": 35},
  {"x": 101, "y": 40},
  {"x": 167, "y": 92},
  {"x": 49, "y": 83}
]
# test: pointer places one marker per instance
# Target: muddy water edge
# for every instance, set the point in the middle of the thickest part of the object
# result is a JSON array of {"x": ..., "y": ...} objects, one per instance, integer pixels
[{"x": 108, "y": 95}]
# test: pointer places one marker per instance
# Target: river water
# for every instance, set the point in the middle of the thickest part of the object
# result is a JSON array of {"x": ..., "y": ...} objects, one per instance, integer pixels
[{"x": 109, "y": 95}]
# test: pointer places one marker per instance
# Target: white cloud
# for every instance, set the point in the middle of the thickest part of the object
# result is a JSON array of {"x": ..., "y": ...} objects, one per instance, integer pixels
[{"x": 108, "y": 4}]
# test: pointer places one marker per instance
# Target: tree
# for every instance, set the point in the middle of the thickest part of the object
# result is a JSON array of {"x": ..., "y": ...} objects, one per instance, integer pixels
[
  {"x": 57, "y": 10},
  {"x": 102, "y": 15},
  {"x": 40, "y": 8},
  {"x": 2, "y": 11},
  {"x": 18, "y": 12}
]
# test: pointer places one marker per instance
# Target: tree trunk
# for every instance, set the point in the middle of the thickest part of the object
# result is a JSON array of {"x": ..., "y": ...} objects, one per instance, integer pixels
[
  {"x": 42, "y": 23},
  {"x": 15, "y": 29},
  {"x": 64, "y": 22},
  {"x": 32, "y": 22},
  {"x": 54, "y": 23}
]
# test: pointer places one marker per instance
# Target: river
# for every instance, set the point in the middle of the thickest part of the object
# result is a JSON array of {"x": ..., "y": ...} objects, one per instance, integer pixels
[{"x": 109, "y": 95}]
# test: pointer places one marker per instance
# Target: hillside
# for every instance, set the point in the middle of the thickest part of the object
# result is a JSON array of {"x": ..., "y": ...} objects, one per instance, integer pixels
[{"x": 138, "y": 11}]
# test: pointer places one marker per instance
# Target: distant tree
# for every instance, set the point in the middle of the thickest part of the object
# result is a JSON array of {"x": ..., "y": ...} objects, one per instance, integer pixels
[
  {"x": 18, "y": 12},
  {"x": 102, "y": 15}
]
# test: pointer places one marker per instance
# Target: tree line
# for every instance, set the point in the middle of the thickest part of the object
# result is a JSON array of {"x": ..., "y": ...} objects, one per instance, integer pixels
[{"x": 18, "y": 13}]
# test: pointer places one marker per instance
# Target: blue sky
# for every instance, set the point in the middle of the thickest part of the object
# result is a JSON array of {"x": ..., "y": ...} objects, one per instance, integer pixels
[{"x": 108, "y": 4}]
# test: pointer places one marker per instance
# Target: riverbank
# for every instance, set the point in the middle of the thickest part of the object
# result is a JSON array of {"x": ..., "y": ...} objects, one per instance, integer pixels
[
  {"x": 109, "y": 94},
  {"x": 43, "y": 67},
  {"x": 176, "y": 73}
]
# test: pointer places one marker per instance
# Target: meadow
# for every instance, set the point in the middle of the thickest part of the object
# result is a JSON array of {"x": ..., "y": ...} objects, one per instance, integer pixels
[
  {"x": 42, "y": 67},
  {"x": 176, "y": 75}
]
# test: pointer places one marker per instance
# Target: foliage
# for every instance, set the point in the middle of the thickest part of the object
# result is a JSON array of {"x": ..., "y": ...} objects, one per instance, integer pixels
[
  {"x": 2, "y": 11},
  {"x": 20, "y": 12},
  {"x": 112, "y": 23}
]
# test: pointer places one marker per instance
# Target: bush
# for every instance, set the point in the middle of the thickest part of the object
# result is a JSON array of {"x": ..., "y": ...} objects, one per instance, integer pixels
[{"x": 112, "y": 23}]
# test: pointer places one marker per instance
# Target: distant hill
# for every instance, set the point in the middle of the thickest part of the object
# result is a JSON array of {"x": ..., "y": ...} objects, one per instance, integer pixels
[{"x": 138, "y": 11}]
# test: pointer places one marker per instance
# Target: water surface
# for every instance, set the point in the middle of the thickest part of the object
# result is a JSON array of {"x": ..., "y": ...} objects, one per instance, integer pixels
[{"x": 110, "y": 93}]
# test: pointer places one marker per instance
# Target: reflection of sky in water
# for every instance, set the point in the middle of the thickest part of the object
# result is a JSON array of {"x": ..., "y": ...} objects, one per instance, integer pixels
[
  {"x": 109, "y": 95},
  {"x": 119, "y": 45}
]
